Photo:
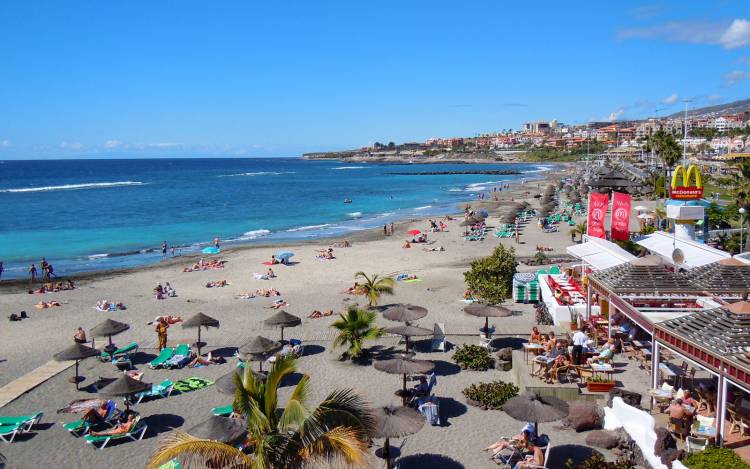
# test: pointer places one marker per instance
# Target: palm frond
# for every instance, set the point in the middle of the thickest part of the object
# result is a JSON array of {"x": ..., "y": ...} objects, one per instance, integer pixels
[
  {"x": 296, "y": 411},
  {"x": 283, "y": 366},
  {"x": 197, "y": 452},
  {"x": 340, "y": 441}
]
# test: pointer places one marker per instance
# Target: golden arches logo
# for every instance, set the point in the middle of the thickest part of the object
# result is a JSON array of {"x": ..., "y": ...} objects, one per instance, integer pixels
[{"x": 686, "y": 191}]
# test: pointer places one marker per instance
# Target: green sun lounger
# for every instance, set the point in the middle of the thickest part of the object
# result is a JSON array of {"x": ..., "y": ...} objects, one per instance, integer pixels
[
  {"x": 163, "y": 389},
  {"x": 165, "y": 354},
  {"x": 180, "y": 357},
  {"x": 129, "y": 349},
  {"x": 171, "y": 464},
  {"x": 136, "y": 434},
  {"x": 225, "y": 411},
  {"x": 81, "y": 427},
  {"x": 8, "y": 432},
  {"x": 26, "y": 421}
]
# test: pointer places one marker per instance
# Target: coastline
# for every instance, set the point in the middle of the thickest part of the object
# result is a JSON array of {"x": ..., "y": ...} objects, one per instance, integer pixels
[{"x": 359, "y": 236}]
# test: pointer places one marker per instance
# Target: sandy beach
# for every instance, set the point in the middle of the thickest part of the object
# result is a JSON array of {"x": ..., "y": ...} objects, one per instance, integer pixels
[{"x": 309, "y": 284}]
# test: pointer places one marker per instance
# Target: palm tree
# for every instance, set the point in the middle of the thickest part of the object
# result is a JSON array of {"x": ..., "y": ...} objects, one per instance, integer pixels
[
  {"x": 668, "y": 149},
  {"x": 296, "y": 436},
  {"x": 374, "y": 286},
  {"x": 741, "y": 190},
  {"x": 579, "y": 229},
  {"x": 354, "y": 328}
]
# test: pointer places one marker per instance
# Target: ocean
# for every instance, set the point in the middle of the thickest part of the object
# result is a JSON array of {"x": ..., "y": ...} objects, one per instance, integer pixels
[{"x": 87, "y": 215}]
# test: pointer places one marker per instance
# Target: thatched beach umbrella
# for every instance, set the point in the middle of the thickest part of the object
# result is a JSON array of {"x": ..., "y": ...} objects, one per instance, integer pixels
[
  {"x": 200, "y": 320},
  {"x": 404, "y": 366},
  {"x": 509, "y": 217},
  {"x": 283, "y": 319},
  {"x": 532, "y": 407},
  {"x": 257, "y": 349},
  {"x": 395, "y": 422},
  {"x": 226, "y": 384},
  {"x": 487, "y": 311},
  {"x": 76, "y": 352},
  {"x": 407, "y": 331},
  {"x": 108, "y": 328},
  {"x": 124, "y": 386},
  {"x": 404, "y": 312},
  {"x": 217, "y": 428}
]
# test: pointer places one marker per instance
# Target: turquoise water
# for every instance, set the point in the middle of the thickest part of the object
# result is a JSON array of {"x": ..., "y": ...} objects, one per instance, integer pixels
[{"x": 86, "y": 215}]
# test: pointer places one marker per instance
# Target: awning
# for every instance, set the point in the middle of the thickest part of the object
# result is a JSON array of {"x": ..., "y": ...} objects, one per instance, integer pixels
[
  {"x": 599, "y": 253},
  {"x": 696, "y": 253}
]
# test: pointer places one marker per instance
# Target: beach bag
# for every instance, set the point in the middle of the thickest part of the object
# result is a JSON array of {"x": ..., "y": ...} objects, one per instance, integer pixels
[{"x": 14, "y": 317}]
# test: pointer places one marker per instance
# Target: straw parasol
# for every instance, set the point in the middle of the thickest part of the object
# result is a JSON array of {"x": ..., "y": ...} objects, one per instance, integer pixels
[
  {"x": 217, "y": 428},
  {"x": 487, "y": 311},
  {"x": 404, "y": 312},
  {"x": 404, "y": 366},
  {"x": 395, "y": 422},
  {"x": 283, "y": 319},
  {"x": 225, "y": 384},
  {"x": 76, "y": 352},
  {"x": 124, "y": 386},
  {"x": 532, "y": 407},
  {"x": 200, "y": 320},
  {"x": 257, "y": 349},
  {"x": 108, "y": 328},
  {"x": 407, "y": 331}
]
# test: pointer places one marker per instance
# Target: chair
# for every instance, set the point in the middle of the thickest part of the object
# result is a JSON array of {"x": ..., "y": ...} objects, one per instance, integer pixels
[
  {"x": 163, "y": 389},
  {"x": 8, "y": 432},
  {"x": 128, "y": 350},
  {"x": 82, "y": 427},
  {"x": 690, "y": 376},
  {"x": 564, "y": 369},
  {"x": 701, "y": 402},
  {"x": 438, "y": 337},
  {"x": 679, "y": 427},
  {"x": 584, "y": 374},
  {"x": 165, "y": 354},
  {"x": 737, "y": 422},
  {"x": 546, "y": 459},
  {"x": 135, "y": 434},
  {"x": 224, "y": 411},
  {"x": 180, "y": 357},
  {"x": 705, "y": 421},
  {"x": 26, "y": 421},
  {"x": 696, "y": 445}
]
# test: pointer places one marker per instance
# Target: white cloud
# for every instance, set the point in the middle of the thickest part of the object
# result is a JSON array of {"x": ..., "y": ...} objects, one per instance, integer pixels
[
  {"x": 71, "y": 145},
  {"x": 671, "y": 99},
  {"x": 728, "y": 35},
  {"x": 114, "y": 143},
  {"x": 616, "y": 114},
  {"x": 736, "y": 76},
  {"x": 713, "y": 97},
  {"x": 737, "y": 35},
  {"x": 5, "y": 143},
  {"x": 744, "y": 60}
]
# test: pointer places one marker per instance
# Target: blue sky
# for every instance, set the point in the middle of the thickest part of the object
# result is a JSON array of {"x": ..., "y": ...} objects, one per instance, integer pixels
[{"x": 179, "y": 78}]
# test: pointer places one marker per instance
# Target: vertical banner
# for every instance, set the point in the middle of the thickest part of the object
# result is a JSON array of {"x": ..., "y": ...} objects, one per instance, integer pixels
[
  {"x": 620, "y": 216},
  {"x": 598, "y": 204}
]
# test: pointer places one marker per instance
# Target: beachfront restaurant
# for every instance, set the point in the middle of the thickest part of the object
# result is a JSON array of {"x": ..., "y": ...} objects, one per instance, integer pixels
[{"x": 717, "y": 341}]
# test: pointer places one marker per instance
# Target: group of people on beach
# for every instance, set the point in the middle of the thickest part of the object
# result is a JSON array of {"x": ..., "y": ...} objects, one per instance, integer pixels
[
  {"x": 163, "y": 292},
  {"x": 47, "y": 271},
  {"x": 388, "y": 229},
  {"x": 56, "y": 287},
  {"x": 203, "y": 265}
]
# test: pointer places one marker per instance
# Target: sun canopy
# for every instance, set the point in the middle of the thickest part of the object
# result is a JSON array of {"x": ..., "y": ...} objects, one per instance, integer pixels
[
  {"x": 599, "y": 253},
  {"x": 696, "y": 253}
]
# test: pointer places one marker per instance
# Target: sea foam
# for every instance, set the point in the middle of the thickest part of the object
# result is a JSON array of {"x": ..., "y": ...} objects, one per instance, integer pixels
[{"x": 66, "y": 187}]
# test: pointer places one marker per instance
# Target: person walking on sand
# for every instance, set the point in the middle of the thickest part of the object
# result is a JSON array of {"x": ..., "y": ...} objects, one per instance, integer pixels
[
  {"x": 391, "y": 228},
  {"x": 385, "y": 230},
  {"x": 164, "y": 249},
  {"x": 172, "y": 250},
  {"x": 1, "y": 269},
  {"x": 217, "y": 243},
  {"x": 32, "y": 273}
]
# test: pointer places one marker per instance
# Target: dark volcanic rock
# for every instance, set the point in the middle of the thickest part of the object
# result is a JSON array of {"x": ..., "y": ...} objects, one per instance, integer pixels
[
  {"x": 585, "y": 415},
  {"x": 603, "y": 439}
]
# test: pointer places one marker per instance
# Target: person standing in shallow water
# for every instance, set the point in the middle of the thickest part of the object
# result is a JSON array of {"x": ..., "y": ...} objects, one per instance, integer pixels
[
  {"x": 32, "y": 273},
  {"x": 164, "y": 249}
]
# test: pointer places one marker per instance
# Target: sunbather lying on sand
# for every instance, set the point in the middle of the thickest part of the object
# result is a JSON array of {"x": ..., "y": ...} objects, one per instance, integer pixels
[
  {"x": 326, "y": 254},
  {"x": 201, "y": 265},
  {"x": 406, "y": 245},
  {"x": 217, "y": 283},
  {"x": 119, "y": 429},
  {"x": 245, "y": 296},
  {"x": 353, "y": 289},
  {"x": 440, "y": 249},
  {"x": 106, "y": 305},
  {"x": 317, "y": 314},
  {"x": 267, "y": 293},
  {"x": 46, "y": 304},
  {"x": 205, "y": 361},
  {"x": 278, "y": 304}
]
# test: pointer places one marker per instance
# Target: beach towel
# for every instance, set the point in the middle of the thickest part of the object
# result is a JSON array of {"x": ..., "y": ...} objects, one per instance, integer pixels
[
  {"x": 192, "y": 384},
  {"x": 412, "y": 280},
  {"x": 267, "y": 263}
]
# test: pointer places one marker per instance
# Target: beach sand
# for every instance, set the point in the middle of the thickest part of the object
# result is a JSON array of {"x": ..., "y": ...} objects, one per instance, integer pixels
[{"x": 306, "y": 285}]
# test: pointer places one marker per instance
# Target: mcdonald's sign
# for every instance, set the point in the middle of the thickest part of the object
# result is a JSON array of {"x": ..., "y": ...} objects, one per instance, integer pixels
[{"x": 686, "y": 191}]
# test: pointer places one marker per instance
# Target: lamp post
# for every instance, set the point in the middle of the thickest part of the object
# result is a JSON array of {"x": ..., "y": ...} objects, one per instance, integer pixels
[{"x": 742, "y": 223}]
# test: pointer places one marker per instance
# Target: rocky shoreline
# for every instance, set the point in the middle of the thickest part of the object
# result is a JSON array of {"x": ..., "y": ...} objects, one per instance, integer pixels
[{"x": 496, "y": 172}]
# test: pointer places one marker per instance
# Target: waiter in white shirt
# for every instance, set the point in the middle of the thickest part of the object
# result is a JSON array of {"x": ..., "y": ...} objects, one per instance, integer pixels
[{"x": 580, "y": 340}]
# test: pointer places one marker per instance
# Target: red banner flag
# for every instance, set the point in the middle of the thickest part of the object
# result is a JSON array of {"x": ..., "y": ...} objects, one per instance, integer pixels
[
  {"x": 620, "y": 216},
  {"x": 598, "y": 204}
]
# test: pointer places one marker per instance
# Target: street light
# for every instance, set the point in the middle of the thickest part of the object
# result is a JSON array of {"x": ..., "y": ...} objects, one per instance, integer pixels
[{"x": 742, "y": 215}]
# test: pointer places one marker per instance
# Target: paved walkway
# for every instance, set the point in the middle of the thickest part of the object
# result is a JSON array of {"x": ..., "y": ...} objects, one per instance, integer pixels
[{"x": 26, "y": 383}]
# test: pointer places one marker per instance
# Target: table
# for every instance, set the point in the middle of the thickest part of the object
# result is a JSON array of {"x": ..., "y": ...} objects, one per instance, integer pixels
[
  {"x": 603, "y": 368},
  {"x": 642, "y": 344},
  {"x": 528, "y": 347},
  {"x": 704, "y": 432}
]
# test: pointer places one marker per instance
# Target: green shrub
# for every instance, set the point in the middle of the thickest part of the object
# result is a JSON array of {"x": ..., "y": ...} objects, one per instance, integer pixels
[
  {"x": 598, "y": 379},
  {"x": 714, "y": 457},
  {"x": 597, "y": 461},
  {"x": 493, "y": 395},
  {"x": 473, "y": 357}
]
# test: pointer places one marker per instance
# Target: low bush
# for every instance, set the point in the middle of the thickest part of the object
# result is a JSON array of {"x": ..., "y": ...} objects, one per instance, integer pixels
[
  {"x": 492, "y": 395},
  {"x": 473, "y": 357},
  {"x": 597, "y": 461},
  {"x": 714, "y": 457}
]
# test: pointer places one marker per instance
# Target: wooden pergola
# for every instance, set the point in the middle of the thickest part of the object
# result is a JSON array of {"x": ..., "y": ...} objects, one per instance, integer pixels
[
  {"x": 717, "y": 340},
  {"x": 728, "y": 276}
]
